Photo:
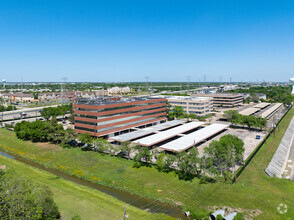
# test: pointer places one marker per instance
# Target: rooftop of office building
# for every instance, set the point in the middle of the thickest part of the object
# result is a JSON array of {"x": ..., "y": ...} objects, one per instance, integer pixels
[
  {"x": 191, "y": 98},
  {"x": 110, "y": 100},
  {"x": 219, "y": 95}
]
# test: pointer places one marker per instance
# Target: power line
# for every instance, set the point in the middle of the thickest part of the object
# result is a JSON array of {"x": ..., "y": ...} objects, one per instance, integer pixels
[
  {"x": 64, "y": 81},
  {"x": 188, "y": 82}
]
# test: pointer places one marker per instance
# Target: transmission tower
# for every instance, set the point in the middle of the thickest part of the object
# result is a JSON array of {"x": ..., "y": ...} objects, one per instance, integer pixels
[
  {"x": 188, "y": 82},
  {"x": 64, "y": 79}
]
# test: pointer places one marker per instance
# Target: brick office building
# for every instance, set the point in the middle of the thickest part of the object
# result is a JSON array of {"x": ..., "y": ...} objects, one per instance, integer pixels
[{"x": 111, "y": 116}]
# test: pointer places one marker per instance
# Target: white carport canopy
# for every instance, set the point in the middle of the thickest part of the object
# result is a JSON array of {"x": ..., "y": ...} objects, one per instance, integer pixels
[
  {"x": 271, "y": 110},
  {"x": 194, "y": 138},
  {"x": 145, "y": 131},
  {"x": 164, "y": 135}
]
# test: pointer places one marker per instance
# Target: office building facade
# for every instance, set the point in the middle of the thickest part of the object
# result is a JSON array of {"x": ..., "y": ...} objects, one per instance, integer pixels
[
  {"x": 225, "y": 100},
  {"x": 112, "y": 116},
  {"x": 200, "y": 106}
]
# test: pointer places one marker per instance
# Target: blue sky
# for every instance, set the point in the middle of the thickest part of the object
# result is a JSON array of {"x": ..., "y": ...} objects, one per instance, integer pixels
[{"x": 166, "y": 40}]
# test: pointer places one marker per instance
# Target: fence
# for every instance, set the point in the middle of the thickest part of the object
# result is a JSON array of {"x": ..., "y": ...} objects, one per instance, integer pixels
[{"x": 248, "y": 160}]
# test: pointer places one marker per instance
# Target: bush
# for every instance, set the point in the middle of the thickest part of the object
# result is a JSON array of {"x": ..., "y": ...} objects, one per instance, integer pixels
[
  {"x": 42, "y": 131},
  {"x": 200, "y": 214},
  {"x": 206, "y": 179},
  {"x": 239, "y": 216},
  {"x": 22, "y": 199}
]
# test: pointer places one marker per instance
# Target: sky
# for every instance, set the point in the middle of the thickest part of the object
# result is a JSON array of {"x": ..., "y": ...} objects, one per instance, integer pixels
[{"x": 129, "y": 40}]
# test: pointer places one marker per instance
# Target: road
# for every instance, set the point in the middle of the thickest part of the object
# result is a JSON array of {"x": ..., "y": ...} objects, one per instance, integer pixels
[{"x": 31, "y": 112}]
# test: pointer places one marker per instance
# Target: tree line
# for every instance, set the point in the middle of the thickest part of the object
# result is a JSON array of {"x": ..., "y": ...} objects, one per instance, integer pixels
[
  {"x": 219, "y": 158},
  {"x": 44, "y": 131},
  {"x": 250, "y": 121},
  {"x": 273, "y": 93},
  {"x": 8, "y": 108},
  {"x": 60, "y": 110}
]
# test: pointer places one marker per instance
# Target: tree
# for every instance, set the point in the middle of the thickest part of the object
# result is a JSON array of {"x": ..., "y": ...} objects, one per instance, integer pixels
[
  {"x": 102, "y": 145},
  {"x": 234, "y": 143},
  {"x": 46, "y": 113},
  {"x": 164, "y": 162},
  {"x": 250, "y": 121},
  {"x": 254, "y": 97},
  {"x": 168, "y": 107},
  {"x": 231, "y": 115},
  {"x": 189, "y": 164},
  {"x": 85, "y": 138},
  {"x": 126, "y": 149},
  {"x": 225, "y": 153},
  {"x": 143, "y": 156},
  {"x": 69, "y": 135},
  {"x": 22, "y": 199},
  {"x": 49, "y": 112},
  {"x": 247, "y": 100},
  {"x": 176, "y": 112}
]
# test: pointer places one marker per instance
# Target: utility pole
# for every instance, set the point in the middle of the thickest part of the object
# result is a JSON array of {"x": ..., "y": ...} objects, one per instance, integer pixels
[
  {"x": 188, "y": 81},
  {"x": 2, "y": 112},
  {"x": 21, "y": 103},
  {"x": 233, "y": 154},
  {"x": 13, "y": 113},
  {"x": 146, "y": 83},
  {"x": 64, "y": 81},
  {"x": 125, "y": 213},
  {"x": 21, "y": 93}
]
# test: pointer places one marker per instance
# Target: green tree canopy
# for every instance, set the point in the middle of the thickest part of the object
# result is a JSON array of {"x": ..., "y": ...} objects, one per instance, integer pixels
[
  {"x": 176, "y": 112},
  {"x": 225, "y": 153},
  {"x": 22, "y": 199}
]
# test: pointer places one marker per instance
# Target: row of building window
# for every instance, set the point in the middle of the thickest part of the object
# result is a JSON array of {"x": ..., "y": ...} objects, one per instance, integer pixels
[
  {"x": 189, "y": 103},
  {"x": 116, "y": 114},
  {"x": 117, "y": 126},
  {"x": 118, "y": 107},
  {"x": 117, "y": 120}
]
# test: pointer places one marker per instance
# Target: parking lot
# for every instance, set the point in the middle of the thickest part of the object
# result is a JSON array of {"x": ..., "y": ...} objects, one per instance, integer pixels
[{"x": 247, "y": 136}]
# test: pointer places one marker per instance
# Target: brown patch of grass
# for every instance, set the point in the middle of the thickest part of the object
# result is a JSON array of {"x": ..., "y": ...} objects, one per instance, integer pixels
[{"x": 49, "y": 146}]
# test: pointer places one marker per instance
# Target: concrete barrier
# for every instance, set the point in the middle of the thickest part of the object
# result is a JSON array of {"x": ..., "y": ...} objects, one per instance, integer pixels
[{"x": 279, "y": 161}]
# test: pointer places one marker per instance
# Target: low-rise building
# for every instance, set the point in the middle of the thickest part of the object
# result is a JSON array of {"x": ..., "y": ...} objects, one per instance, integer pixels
[
  {"x": 118, "y": 90},
  {"x": 200, "y": 106},
  {"x": 101, "y": 92},
  {"x": 18, "y": 97},
  {"x": 226, "y": 100}
]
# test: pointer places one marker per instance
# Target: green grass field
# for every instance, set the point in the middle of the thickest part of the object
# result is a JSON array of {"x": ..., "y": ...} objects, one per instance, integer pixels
[
  {"x": 76, "y": 200},
  {"x": 254, "y": 193}
]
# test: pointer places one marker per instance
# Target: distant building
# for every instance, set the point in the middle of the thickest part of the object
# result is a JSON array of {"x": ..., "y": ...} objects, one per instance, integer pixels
[
  {"x": 225, "y": 100},
  {"x": 111, "y": 116},
  {"x": 47, "y": 96},
  {"x": 228, "y": 87},
  {"x": 200, "y": 106},
  {"x": 118, "y": 90},
  {"x": 66, "y": 95},
  {"x": 18, "y": 97},
  {"x": 101, "y": 92}
]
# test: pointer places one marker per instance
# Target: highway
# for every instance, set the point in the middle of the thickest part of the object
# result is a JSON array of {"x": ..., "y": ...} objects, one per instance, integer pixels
[{"x": 31, "y": 112}]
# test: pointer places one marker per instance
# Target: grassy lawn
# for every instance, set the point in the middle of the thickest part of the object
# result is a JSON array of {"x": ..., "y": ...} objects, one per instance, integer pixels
[
  {"x": 76, "y": 200},
  {"x": 254, "y": 193}
]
